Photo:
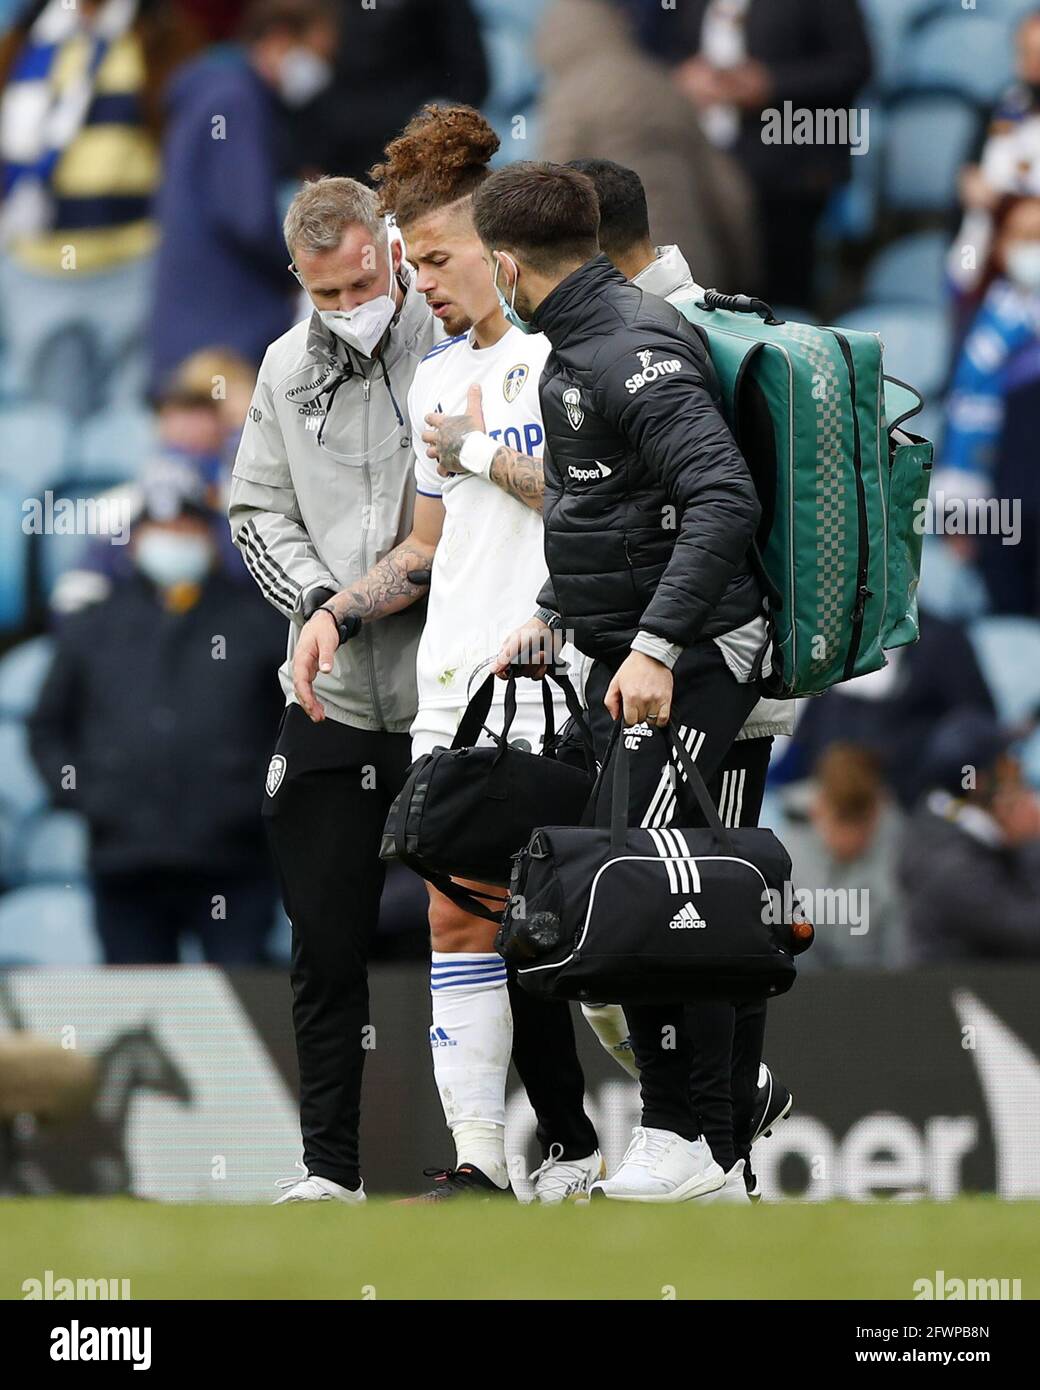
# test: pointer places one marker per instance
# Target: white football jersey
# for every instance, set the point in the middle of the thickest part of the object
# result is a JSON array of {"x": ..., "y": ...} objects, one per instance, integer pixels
[{"x": 490, "y": 563}]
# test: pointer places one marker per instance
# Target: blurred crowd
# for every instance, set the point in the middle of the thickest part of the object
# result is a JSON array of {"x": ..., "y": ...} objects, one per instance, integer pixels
[{"x": 148, "y": 149}]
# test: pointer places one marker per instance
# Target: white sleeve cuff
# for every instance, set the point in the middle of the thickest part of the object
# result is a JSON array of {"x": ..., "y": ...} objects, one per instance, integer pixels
[
  {"x": 667, "y": 653},
  {"x": 477, "y": 452}
]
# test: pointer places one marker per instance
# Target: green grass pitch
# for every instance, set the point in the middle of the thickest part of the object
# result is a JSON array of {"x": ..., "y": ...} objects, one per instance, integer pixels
[{"x": 500, "y": 1250}]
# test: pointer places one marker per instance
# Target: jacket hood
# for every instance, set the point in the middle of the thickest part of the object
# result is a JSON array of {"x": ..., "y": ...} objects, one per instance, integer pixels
[
  {"x": 565, "y": 35},
  {"x": 668, "y": 274}
]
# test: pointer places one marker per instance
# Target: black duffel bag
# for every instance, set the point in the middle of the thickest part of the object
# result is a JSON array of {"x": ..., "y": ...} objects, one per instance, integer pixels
[
  {"x": 608, "y": 911},
  {"x": 464, "y": 811}
]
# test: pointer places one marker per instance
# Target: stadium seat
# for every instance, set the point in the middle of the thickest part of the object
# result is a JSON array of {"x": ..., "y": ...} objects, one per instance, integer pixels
[
  {"x": 34, "y": 441},
  {"x": 888, "y": 22},
  {"x": 507, "y": 29},
  {"x": 928, "y": 138},
  {"x": 1008, "y": 650},
  {"x": 917, "y": 342},
  {"x": 21, "y": 789},
  {"x": 48, "y": 926},
  {"x": 966, "y": 52},
  {"x": 911, "y": 270},
  {"x": 21, "y": 674},
  {"x": 52, "y": 845},
  {"x": 14, "y": 558},
  {"x": 949, "y": 589},
  {"x": 113, "y": 444}
]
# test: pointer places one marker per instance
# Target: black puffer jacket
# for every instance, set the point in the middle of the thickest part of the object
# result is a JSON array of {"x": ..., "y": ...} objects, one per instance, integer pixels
[{"x": 649, "y": 505}]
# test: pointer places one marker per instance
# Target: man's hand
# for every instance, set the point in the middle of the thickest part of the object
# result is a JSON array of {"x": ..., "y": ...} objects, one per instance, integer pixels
[
  {"x": 642, "y": 688},
  {"x": 749, "y": 85},
  {"x": 445, "y": 433},
  {"x": 529, "y": 651},
  {"x": 699, "y": 82},
  {"x": 317, "y": 645}
]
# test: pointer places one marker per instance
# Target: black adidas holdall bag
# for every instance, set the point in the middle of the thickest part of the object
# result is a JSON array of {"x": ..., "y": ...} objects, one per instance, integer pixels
[
  {"x": 649, "y": 916},
  {"x": 464, "y": 811}
]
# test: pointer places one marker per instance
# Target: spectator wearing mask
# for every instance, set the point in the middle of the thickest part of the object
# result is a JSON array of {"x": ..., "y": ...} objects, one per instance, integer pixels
[
  {"x": 191, "y": 455},
  {"x": 153, "y": 722},
  {"x": 733, "y": 59},
  {"x": 222, "y": 270},
  {"x": 970, "y": 861},
  {"x": 843, "y": 845},
  {"x": 606, "y": 100},
  {"x": 79, "y": 124},
  {"x": 1008, "y": 160}
]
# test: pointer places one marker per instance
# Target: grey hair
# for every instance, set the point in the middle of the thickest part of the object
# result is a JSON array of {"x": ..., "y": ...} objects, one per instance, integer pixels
[{"x": 322, "y": 211}]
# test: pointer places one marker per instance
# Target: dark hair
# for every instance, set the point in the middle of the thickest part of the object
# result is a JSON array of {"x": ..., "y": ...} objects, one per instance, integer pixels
[
  {"x": 623, "y": 218},
  {"x": 547, "y": 213},
  {"x": 264, "y": 17},
  {"x": 441, "y": 156}
]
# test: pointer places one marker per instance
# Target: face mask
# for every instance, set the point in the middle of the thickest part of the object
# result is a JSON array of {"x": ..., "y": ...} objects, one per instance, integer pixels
[
  {"x": 1023, "y": 264},
  {"x": 303, "y": 75},
  {"x": 363, "y": 328},
  {"x": 509, "y": 306},
  {"x": 167, "y": 558}
]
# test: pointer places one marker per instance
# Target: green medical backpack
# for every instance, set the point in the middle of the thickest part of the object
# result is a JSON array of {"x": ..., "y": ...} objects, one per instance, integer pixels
[{"x": 841, "y": 483}]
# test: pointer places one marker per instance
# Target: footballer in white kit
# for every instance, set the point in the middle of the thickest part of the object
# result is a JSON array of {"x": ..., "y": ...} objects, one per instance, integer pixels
[
  {"x": 478, "y": 437},
  {"x": 490, "y": 561}
]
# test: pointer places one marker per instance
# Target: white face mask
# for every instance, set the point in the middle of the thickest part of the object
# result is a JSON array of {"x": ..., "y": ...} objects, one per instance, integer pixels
[
  {"x": 363, "y": 328},
  {"x": 1023, "y": 264},
  {"x": 167, "y": 558},
  {"x": 302, "y": 76}
]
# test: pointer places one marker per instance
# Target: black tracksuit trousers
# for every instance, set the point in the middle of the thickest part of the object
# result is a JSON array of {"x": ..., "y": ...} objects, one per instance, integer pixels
[{"x": 698, "y": 1062}]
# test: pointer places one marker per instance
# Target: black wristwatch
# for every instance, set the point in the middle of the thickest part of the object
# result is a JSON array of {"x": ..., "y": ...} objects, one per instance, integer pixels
[{"x": 347, "y": 627}]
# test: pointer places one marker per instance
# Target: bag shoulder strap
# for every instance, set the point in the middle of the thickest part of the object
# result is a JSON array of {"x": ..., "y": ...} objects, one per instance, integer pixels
[{"x": 619, "y": 799}]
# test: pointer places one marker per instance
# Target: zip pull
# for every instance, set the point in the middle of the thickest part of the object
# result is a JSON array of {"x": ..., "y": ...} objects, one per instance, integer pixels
[
  {"x": 366, "y": 388},
  {"x": 862, "y": 594}
]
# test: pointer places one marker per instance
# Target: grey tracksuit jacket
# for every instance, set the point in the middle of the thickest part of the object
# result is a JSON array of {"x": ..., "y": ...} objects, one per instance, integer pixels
[{"x": 323, "y": 487}]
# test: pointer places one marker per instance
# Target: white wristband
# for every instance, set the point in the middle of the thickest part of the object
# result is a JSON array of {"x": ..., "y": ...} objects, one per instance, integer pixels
[{"x": 477, "y": 452}]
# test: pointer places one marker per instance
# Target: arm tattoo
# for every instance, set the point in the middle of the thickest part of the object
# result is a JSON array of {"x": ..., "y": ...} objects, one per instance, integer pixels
[
  {"x": 520, "y": 476},
  {"x": 387, "y": 588}
]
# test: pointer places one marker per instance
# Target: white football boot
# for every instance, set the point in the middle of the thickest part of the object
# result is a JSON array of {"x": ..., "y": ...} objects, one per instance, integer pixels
[
  {"x": 312, "y": 1188},
  {"x": 734, "y": 1189},
  {"x": 567, "y": 1180},
  {"x": 660, "y": 1166}
]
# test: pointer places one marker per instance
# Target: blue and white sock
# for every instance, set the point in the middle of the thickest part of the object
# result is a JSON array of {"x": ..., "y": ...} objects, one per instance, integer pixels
[{"x": 472, "y": 1040}]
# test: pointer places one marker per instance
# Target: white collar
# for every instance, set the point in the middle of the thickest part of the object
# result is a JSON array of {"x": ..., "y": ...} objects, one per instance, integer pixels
[
  {"x": 973, "y": 820},
  {"x": 667, "y": 274}
]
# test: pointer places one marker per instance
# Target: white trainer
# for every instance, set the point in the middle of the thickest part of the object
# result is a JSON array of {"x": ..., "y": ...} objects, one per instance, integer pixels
[
  {"x": 312, "y": 1188},
  {"x": 660, "y": 1166},
  {"x": 734, "y": 1189},
  {"x": 559, "y": 1180}
]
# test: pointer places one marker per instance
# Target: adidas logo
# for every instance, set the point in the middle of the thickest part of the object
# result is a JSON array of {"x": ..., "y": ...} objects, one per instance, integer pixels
[
  {"x": 635, "y": 734},
  {"x": 687, "y": 919},
  {"x": 439, "y": 1038}
]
